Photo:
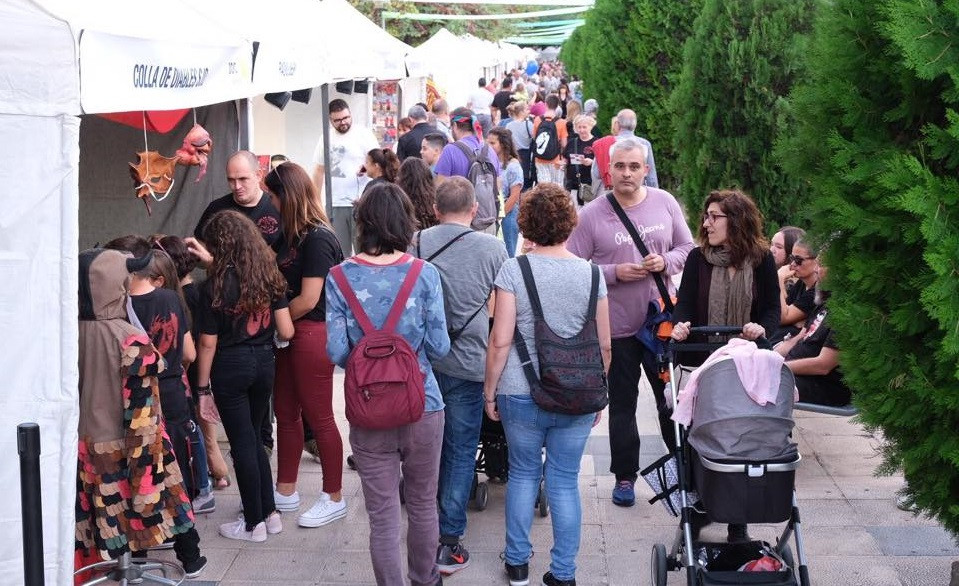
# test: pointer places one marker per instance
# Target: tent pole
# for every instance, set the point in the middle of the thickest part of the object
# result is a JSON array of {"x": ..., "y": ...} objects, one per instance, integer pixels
[{"x": 327, "y": 178}]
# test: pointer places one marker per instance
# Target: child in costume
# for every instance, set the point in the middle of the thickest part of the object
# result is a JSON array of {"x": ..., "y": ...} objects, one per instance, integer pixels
[{"x": 130, "y": 493}]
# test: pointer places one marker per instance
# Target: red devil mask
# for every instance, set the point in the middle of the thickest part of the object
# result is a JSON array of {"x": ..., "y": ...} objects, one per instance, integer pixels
[{"x": 196, "y": 149}]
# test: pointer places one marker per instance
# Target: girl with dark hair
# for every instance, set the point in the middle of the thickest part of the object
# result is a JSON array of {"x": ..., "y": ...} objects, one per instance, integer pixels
[
  {"x": 185, "y": 261},
  {"x": 382, "y": 166},
  {"x": 384, "y": 222},
  {"x": 243, "y": 308},
  {"x": 416, "y": 180},
  {"x": 729, "y": 280},
  {"x": 781, "y": 244},
  {"x": 511, "y": 183},
  {"x": 304, "y": 373},
  {"x": 797, "y": 289}
]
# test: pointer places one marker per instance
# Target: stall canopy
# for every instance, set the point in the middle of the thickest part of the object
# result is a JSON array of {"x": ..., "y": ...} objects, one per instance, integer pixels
[
  {"x": 359, "y": 48},
  {"x": 175, "y": 58},
  {"x": 61, "y": 59}
]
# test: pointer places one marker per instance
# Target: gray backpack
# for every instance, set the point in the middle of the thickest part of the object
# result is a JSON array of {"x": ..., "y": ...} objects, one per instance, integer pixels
[{"x": 482, "y": 174}]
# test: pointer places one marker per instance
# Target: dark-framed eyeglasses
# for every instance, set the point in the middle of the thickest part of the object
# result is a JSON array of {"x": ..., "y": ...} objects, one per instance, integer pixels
[{"x": 711, "y": 217}]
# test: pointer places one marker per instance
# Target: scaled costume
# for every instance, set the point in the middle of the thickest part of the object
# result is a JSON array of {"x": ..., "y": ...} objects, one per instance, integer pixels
[{"x": 130, "y": 493}]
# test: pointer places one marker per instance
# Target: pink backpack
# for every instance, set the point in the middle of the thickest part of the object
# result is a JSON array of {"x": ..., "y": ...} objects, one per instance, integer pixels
[{"x": 384, "y": 387}]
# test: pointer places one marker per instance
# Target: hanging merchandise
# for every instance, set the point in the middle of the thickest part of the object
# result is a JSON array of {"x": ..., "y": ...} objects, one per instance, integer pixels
[
  {"x": 196, "y": 149},
  {"x": 152, "y": 176},
  {"x": 433, "y": 93},
  {"x": 386, "y": 108}
]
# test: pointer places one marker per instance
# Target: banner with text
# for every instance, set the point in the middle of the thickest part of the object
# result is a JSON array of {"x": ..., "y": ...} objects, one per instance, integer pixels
[{"x": 120, "y": 74}]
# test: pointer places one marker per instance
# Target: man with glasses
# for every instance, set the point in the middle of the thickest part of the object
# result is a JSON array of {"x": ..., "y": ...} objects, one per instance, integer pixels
[
  {"x": 349, "y": 144},
  {"x": 601, "y": 237}
]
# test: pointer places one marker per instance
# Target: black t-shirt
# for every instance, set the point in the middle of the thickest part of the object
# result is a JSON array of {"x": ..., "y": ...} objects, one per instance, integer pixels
[
  {"x": 576, "y": 174},
  {"x": 314, "y": 257},
  {"x": 805, "y": 300},
  {"x": 263, "y": 214},
  {"x": 818, "y": 336},
  {"x": 191, "y": 293},
  {"x": 162, "y": 315},
  {"x": 230, "y": 325},
  {"x": 502, "y": 99}
]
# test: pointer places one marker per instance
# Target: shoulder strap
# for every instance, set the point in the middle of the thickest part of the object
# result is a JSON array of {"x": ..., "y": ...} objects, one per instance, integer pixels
[
  {"x": 628, "y": 224},
  {"x": 593, "y": 293},
  {"x": 442, "y": 248},
  {"x": 529, "y": 127},
  {"x": 470, "y": 155},
  {"x": 399, "y": 304},
  {"x": 527, "y": 271},
  {"x": 355, "y": 306},
  {"x": 455, "y": 334}
]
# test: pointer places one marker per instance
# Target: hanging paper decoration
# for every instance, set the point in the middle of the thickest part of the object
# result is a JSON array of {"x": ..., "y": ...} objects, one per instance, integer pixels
[{"x": 196, "y": 149}]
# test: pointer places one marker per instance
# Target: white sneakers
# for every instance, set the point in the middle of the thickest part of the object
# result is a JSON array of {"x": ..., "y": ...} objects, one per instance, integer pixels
[
  {"x": 323, "y": 512},
  {"x": 286, "y": 503},
  {"x": 237, "y": 530}
]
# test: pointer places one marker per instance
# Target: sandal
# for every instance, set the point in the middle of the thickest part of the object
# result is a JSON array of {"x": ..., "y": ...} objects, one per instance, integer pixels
[{"x": 221, "y": 482}]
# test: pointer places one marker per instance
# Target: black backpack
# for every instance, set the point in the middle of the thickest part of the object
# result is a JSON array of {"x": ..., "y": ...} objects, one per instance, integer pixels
[
  {"x": 546, "y": 144},
  {"x": 571, "y": 376}
]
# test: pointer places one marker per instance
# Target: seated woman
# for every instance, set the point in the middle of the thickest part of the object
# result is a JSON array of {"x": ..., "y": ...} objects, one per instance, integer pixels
[
  {"x": 813, "y": 357},
  {"x": 781, "y": 244},
  {"x": 797, "y": 281}
]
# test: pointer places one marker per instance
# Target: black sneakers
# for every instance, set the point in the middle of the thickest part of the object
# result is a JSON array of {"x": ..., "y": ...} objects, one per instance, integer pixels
[
  {"x": 451, "y": 558},
  {"x": 194, "y": 568},
  {"x": 550, "y": 580},
  {"x": 518, "y": 575}
]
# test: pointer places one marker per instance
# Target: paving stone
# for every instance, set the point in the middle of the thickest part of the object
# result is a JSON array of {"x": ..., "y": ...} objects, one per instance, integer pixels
[
  {"x": 923, "y": 571},
  {"x": 853, "y": 571},
  {"x": 914, "y": 541}
]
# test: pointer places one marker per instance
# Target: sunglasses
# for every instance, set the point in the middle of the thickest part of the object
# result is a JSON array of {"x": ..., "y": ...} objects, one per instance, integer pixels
[{"x": 795, "y": 259}]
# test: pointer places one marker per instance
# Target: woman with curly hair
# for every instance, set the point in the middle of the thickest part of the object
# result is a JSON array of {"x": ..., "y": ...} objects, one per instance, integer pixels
[
  {"x": 243, "y": 307},
  {"x": 729, "y": 280},
  {"x": 416, "y": 180},
  {"x": 304, "y": 373},
  {"x": 564, "y": 283}
]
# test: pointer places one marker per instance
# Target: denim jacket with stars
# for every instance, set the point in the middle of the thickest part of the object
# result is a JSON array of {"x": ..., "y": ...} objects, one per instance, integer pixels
[{"x": 423, "y": 322}]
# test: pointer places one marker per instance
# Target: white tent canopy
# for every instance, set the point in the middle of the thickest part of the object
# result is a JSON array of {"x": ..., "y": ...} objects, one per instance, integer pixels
[{"x": 175, "y": 59}]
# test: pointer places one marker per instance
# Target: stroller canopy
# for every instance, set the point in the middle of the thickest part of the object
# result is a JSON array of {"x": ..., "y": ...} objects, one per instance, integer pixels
[{"x": 729, "y": 425}]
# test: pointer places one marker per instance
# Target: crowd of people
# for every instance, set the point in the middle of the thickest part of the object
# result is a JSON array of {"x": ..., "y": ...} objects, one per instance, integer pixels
[{"x": 422, "y": 244}]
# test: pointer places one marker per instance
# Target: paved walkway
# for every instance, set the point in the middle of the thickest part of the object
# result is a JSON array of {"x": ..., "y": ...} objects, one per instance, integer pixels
[{"x": 854, "y": 534}]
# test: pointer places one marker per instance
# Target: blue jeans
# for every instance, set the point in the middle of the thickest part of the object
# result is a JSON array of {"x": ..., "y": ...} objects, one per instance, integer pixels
[
  {"x": 201, "y": 469},
  {"x": 528, "y": 430},
  {"x": 511, "y": 230},
  {"x": 464, "y": 417}
]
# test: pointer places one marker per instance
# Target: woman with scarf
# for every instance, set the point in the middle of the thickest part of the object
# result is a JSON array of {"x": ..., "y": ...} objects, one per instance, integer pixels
[{"x": 729, "y": 280}]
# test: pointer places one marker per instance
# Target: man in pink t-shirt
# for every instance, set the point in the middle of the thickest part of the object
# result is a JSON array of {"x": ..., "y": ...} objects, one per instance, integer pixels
[{"x": 602, "y": 238}]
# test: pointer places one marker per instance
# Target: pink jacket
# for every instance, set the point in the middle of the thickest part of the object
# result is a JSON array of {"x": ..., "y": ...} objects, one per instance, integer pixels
[{"x": 759, "y": 371}]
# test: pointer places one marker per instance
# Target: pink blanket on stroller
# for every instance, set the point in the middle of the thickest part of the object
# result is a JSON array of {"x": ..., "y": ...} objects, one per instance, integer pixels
[{"x": 758, "y": 370}]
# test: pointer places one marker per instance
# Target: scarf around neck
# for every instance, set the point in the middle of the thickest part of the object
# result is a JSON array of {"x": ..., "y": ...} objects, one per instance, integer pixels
[{"x": 730, "y": 298}]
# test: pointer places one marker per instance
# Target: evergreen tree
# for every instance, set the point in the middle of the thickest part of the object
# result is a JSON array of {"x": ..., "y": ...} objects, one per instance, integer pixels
[
  {"x": 738, "y": 67},
  {"x": 629, "y": 54},
  {"x": 878, "y": 142}
]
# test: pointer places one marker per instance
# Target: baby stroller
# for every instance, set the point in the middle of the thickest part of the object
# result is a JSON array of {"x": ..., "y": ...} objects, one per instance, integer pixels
[
  {"x": 492, "y": 459},
  {"x": 740, "y": 457}
]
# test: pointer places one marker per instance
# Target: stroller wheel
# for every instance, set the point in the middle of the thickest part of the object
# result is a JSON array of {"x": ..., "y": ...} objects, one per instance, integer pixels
[
  {"x": 658, "y": 565},
  {"x": 481, "y": 498},
  {"x": 542, "y": 501}
]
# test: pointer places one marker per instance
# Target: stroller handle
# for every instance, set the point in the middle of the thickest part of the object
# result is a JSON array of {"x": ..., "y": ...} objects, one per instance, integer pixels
[{"x": 687, "y": 347}]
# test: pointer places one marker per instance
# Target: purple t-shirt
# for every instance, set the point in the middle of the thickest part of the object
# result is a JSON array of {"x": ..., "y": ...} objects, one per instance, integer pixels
[
  {"x": 601, "y": 237},
  {"x": 453, "y": 161}
]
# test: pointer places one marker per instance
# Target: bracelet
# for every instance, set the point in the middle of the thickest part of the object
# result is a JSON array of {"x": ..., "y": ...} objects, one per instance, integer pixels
[
  {"x": 204, "y": 390},
  {"x": 488, "y": 401}
]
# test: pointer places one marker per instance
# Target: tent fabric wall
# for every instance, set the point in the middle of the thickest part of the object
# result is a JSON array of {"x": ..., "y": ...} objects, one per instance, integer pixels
[
  {"x": 108, "y": 206},
  {"x": 38, "y": 313}
]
